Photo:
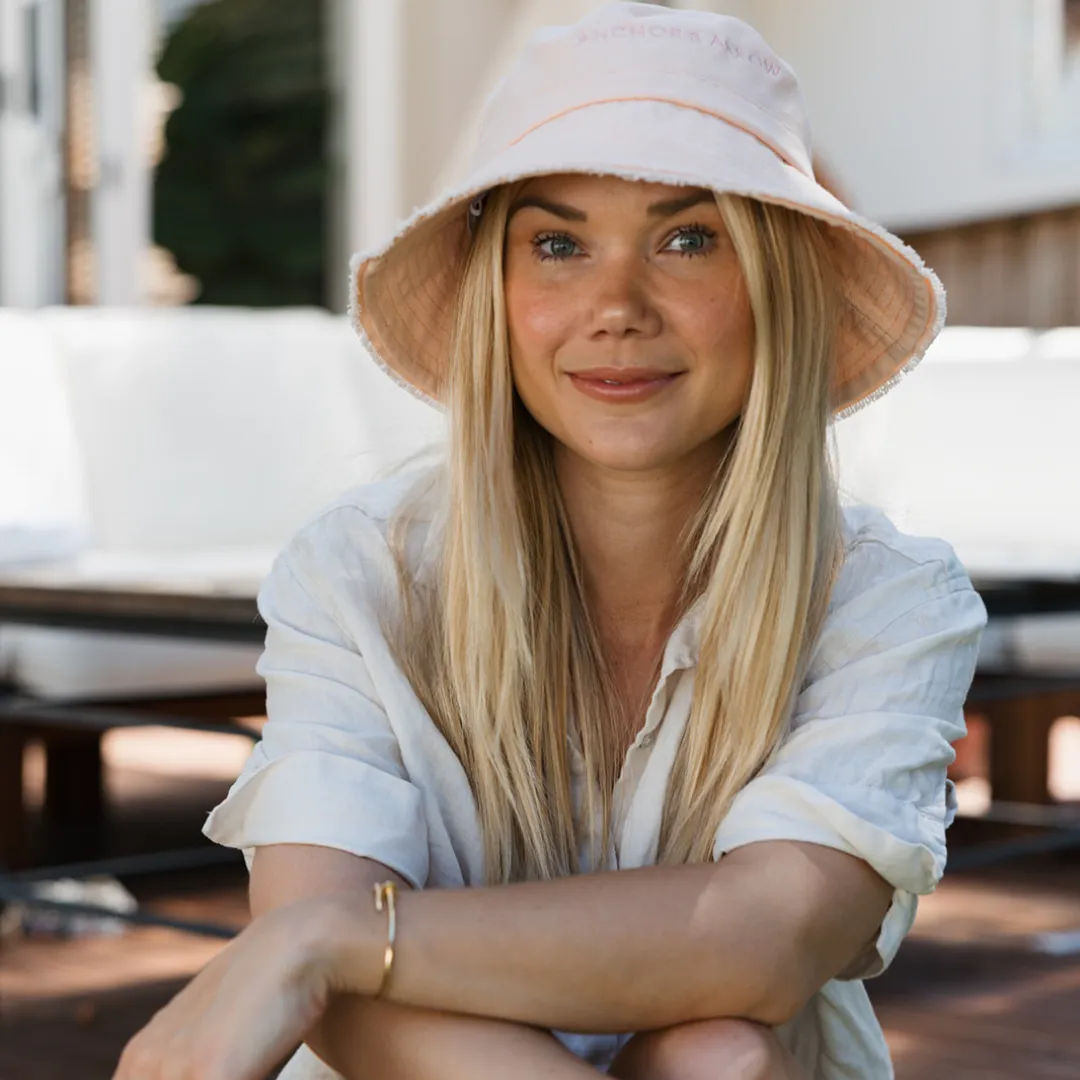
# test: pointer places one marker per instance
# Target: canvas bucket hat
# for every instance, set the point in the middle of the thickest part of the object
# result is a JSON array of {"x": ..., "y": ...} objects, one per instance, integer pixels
[{"x": 648, "y": 93}]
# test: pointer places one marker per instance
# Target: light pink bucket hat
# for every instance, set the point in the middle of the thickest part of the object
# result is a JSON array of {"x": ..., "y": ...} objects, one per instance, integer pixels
[{"x": 648, "y": 93}]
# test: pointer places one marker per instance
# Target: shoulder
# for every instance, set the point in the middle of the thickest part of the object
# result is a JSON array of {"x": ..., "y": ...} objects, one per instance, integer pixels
[
  {"x": 877, "y": 555},
  {"x": 343, "y": 556},
  {"x": 360, "y": 519},
  {"x": 894, "y": 587}
]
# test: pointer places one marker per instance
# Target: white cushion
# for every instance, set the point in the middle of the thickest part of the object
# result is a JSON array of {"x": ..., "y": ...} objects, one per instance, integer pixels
[
  {"x": 43, "y": 514},
  {"x": 72, "y": 665},
  {"x": 207, "y": 437},
  {"x": 218, "y": 427},
  {"x": 980, "y": 449}
]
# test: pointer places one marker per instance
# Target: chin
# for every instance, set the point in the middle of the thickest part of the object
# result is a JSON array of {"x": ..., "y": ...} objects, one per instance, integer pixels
[{"x": 630, "y": 458}]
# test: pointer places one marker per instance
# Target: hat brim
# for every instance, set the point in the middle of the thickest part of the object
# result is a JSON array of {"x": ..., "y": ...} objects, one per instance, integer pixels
[{"x": 403, "y": 295}]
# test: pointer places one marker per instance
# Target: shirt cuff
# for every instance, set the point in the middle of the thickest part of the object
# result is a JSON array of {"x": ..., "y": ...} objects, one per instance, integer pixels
[{"x": 324, "y": 799}]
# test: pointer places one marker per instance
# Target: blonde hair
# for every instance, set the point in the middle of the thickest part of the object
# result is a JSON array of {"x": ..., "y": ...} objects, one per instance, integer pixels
[{"x": 500, "y": 646}]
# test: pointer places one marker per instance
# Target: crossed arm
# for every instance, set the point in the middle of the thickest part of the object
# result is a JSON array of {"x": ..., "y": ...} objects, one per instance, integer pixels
[
  {"x": 482, "y": 974},
  {"x": 481, "y": 971}
]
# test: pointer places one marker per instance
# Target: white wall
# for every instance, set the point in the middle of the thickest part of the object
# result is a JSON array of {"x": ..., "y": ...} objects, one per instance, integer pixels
[
  {"x": 453, "y": 55},
  {"x": 31, "y": 182},
  {"x": 929, "y": 110},
  {"x": 410, "y": 79},
  {"x": 406, "y": 72},
  {"x": 121, "y": 49}
]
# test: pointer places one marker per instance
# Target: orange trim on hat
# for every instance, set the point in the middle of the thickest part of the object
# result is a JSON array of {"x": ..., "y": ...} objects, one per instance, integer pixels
[{"x": 768, "y": 143}]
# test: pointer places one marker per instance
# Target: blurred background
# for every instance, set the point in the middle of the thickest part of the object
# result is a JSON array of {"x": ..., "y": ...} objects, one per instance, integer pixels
[
  {"x": 234, "y": 152},
  {"x": 181, "y": 185}
]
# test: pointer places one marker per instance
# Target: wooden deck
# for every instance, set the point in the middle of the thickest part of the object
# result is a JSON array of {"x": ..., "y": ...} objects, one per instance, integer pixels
[{"x": 968, "y": 997}]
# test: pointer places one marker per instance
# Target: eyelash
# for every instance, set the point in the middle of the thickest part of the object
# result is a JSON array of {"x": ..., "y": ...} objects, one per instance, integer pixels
[
  {"x": 542, "y": 239},
  {"x": 683, "y": 230},
  {"x": 704, "y": 230}
]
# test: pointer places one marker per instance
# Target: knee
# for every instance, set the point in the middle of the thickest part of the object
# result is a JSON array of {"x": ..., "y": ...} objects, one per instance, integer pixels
[{"x": 704, "y": 1050}]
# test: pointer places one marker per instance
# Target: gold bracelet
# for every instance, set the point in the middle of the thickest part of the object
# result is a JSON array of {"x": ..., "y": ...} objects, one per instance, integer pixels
[{"x": 386, "y": 892}]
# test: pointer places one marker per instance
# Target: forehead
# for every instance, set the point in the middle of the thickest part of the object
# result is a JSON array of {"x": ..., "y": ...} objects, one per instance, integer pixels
[{"x": 568, "y": 187}]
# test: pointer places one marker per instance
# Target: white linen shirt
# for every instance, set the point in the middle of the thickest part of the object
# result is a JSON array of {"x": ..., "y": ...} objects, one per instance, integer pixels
[{"x": 350, "y": 759}]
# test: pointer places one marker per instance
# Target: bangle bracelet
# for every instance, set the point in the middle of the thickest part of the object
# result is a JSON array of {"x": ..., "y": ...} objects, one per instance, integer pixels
[{"x": 386, "y": 894}]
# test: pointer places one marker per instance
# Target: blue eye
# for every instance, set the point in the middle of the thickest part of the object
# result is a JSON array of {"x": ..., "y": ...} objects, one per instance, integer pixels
[
  {"x": 692, "y": 240},
  {"x": 557, "y": 246}
]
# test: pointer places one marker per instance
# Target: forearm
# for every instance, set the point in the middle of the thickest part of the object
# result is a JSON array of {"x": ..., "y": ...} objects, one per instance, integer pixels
[
  {"x": 754, "y": 937},
  {"x": 596, "y": 953},
  {"x": 365, "y": 1039},
  {"x": 375, "y": 1040}
]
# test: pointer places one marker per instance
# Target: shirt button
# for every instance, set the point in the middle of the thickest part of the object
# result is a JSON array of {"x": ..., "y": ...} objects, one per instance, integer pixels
[{"x": 648, "y": 739}]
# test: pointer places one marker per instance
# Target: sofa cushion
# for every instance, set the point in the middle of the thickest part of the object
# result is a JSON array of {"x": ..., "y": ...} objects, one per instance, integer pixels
[
  {"x": 74, "y": 665},
  {"x": 206, "y": 437},
  {"x": 977, "y": 446},
  {"x": 212, "y": 428},
  {"x": 43, "y": 514}
]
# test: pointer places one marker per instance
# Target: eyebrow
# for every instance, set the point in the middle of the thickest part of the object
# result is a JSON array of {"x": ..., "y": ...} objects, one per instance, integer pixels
[
  {"x": 567, "y": 213},
  {"x": 671, "y": 207},
  {"x": 664, "y": 209}
]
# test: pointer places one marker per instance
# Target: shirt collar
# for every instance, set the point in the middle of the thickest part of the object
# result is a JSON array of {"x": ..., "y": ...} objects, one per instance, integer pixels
[{"x": 684, "y": 646}]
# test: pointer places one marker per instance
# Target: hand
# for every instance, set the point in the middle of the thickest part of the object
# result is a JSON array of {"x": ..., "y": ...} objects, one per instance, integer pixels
[{"x": 251, "y": 1005}]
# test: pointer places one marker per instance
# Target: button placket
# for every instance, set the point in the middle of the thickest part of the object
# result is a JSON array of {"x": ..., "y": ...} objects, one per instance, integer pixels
[{"x": 640, "y": 825}]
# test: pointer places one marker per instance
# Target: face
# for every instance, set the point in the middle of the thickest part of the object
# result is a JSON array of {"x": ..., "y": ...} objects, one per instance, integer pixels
[{"x": 630, "y": 327}]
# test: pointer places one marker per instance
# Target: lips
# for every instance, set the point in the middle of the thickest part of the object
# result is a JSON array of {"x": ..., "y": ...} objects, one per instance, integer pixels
[
  {"x": 623, "y": 376},
  {"x": 623, "y": 385}
]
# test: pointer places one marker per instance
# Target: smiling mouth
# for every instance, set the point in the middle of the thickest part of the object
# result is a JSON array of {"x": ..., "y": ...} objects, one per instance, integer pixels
[
  {"x": 623, "y": 376},
  {"x": 622, "y": 384}
]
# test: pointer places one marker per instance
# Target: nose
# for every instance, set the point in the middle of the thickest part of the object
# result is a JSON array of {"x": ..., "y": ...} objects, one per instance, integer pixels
[{"x": 621, "y": 302}]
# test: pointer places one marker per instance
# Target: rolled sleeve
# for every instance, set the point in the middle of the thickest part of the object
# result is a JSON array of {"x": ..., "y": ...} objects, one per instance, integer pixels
[
  {"x": 863, "y": 768},
  {"x": 328, "y": 769}
]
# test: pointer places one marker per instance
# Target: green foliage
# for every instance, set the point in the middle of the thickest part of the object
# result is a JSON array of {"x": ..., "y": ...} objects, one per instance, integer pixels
[{"x": 240, "y": 196}]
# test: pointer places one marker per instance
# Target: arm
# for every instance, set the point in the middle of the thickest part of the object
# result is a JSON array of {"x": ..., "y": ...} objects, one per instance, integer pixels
[
  {"x": 531, "y": 953},
  {"x": 358, "y": 1036},
  {"x": 753, "y": 936},
  {"x": 848, "y": 817},
  {"x": 857, "y": 789}
]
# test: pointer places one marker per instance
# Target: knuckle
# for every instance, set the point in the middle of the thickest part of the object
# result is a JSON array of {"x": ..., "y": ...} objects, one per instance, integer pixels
[
  {"x": 154, "y": 1054},
  {"x": 185, "y": 1064},
  {"x": 204, "y": 1062}
]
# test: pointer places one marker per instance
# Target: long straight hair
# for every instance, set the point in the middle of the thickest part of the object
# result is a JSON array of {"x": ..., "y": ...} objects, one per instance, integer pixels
[{"x": 499, "y": 643}]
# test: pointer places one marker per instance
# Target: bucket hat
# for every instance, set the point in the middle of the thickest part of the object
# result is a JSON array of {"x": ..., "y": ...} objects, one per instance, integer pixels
[{"x": 670, "y": 96}]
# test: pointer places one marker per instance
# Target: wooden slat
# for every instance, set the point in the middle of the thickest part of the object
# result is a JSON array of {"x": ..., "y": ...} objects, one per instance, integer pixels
[{"x": 1017, "y": 271}]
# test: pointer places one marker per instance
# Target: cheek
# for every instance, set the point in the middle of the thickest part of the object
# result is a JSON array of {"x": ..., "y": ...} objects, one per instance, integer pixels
[
  {"x": 725, "y": 317},
  {"x": 720, "y": 328},
  {"x": 537, "y": 317},
  {"x": 540, "y": 321},
  {"x": 720, "y": 324}
]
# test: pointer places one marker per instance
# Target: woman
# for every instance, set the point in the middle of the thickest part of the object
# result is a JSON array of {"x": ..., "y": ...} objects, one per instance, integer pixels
[{"x": 620, "y": 665}]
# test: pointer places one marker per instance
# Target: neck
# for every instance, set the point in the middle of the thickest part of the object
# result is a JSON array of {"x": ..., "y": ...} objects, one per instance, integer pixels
[{"x": 629, "y": 529}]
